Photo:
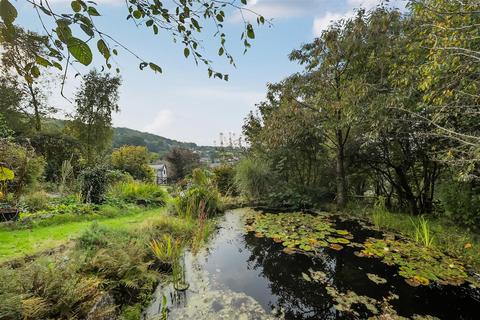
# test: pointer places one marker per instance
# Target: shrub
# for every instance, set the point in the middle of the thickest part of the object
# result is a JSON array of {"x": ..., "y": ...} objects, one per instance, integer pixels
[
  {"x": 253, "y": 178},
  {"x": 461, "y": 202},
  {"x": 134, "y": 160},
  {"x": 139, "y": 193},
  {"x": 224, "y": 177},
  {"x": 94, "y": 183},
  {"x": 26, "y": 165},
  {"x": 290, "y": 198},
  {"x": 201, "y": 196},
  {"x": 35, "y": 201},
  {"x": 197, "y": 199}
]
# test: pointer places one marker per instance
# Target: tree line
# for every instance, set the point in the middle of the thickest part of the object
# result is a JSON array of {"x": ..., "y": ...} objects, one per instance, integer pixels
[{"x": 387, "y": 105}]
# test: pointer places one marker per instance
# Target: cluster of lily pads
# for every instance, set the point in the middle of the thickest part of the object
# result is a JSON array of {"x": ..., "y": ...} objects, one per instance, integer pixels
[
  {"x": 346, "y": 301},
  {"x": 298, "y": 231},
  {"x": 419, "y": 265}
]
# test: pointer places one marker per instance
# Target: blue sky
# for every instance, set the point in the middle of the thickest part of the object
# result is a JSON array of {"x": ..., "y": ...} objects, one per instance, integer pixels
[{"x": 183, "y": 103}]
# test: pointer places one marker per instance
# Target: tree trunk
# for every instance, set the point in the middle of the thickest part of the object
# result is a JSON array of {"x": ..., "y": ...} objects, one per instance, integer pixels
[
  {"x": 340, "y": 172},
  {"x": 38, "y": 122}
]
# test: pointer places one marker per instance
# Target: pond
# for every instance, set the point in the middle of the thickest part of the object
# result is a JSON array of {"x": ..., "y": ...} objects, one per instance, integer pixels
[{"x": 245, "y": 273}]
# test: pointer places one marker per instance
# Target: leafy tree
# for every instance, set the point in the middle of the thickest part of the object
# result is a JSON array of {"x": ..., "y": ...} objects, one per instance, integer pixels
[
  {"x": 184, "y": 161},
  {"x": 18, "y": 63},
  {"x": 56, "y": 148},
  {"x": 134, "y": 160},
  {"x": 94, "y": 183},
  {"x": 183, "y": 20},
  {"x": 96, "y": 100},
  {"x": 333, "y": 84},
  {"x": 11, "y": 106},
  {"x": 446, "y": 76}
]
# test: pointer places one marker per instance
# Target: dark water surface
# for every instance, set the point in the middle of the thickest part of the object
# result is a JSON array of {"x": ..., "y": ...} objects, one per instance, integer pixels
[{"x": 244, "y": 277}]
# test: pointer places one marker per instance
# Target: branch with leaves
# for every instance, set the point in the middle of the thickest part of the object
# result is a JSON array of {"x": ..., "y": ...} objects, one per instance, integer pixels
[{"x": 184, "y": 20}]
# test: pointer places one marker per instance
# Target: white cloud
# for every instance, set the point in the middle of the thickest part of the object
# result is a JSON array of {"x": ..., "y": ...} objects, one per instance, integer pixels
[
  {"x": 100, "y": 2},
  {"x": 278, "y": 9},
  {"x": 366, "y": 4},
  {"x": 162, "y": 121},
  {"x": 322, "y": 23}
]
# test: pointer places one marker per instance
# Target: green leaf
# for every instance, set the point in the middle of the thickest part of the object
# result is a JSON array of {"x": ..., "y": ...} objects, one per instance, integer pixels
[
  {"x": 306, "y": 277},
  {"x": 155, "y": 67},
  {"x": 103, "y": 49},
  {"x": 244, "y": 2},
  {"x": 35, "y": 72},
  {"x": 219, "y": 17},
  {"x": 6, "y": 174},
  {"x": 80, "y": 50},
  {"x": 88, "y": 30},
  {"x": 155, "y": 29},
  {"x": 221, "y": 51},
  {"x": 42, "y": 61},
  {"x": 7, "y": 12},
  {"x": 76, "y": 6},
  {"x": 92, "y": 11},
  {"x": 250, "y": 32},
  {"x": 64, "y": 33},
  {"x": 186, "y": 52},
  {"x": 137, "y": 14}
]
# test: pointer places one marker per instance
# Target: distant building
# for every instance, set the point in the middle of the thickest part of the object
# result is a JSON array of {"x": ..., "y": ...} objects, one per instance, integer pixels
[{"x": 160, "y": 173}]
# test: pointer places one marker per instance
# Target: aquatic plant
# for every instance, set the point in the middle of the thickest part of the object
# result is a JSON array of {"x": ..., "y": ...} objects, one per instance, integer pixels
[
  {"x": 298, "y": 232},
  {"x": 166, "y": 250},
  {"x": 417, "y": 264},
  {"x": 375, "y": 278},
  {"x": 423, "y": 233}
]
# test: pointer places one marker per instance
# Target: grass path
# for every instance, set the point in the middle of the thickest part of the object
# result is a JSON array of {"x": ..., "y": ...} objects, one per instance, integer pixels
[{"x": 18, "y": 243}]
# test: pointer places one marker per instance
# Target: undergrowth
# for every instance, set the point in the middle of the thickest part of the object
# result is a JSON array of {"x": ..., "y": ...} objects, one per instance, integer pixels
[{"x": 431, "y": 231}]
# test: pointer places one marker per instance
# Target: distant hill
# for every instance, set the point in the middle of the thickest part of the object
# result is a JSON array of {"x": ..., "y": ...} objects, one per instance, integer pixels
[
  {"x": 126, "y": 136},
  {"x": 154, "y": 143}
]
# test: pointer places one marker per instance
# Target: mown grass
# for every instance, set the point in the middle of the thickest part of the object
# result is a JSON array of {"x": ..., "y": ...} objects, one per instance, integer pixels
[
  {"x": 427, "y": 231},
  {"x": 15, "y": 243}
]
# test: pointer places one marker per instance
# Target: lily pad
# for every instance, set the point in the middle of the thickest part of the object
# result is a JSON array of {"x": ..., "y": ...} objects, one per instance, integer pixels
[{"x": 376, "y": 279}]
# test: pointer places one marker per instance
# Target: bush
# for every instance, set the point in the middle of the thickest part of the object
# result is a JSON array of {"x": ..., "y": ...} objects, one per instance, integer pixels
[
  {"x": 290, "y": 198},
  {"x": 200, "y": 196},
  {"x": 224, "y": 177},
  {"x": 197, "y": 199},
  {"x": 134, "y": 160},
  {"x": 139, "y": 193},
  {"x": 253, "y": 178},
  {"x": 26, "y": 165},
  {"x": 461, "y": 202},
  {"x": 35, "y": 201},
  {"x": 94, "y": 183}
]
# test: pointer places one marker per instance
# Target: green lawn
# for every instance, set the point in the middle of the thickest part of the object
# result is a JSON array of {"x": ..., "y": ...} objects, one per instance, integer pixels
[{"x": 17, "y": 243}]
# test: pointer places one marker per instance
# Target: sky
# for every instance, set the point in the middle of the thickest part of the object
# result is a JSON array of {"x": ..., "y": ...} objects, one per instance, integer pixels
[{"x": 183, "y": 103}]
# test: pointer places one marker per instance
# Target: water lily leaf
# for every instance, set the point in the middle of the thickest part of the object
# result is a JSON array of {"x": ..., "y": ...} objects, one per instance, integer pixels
[
  {"x": 376, "y": 279},
  {"x": 306, "y": 277}
]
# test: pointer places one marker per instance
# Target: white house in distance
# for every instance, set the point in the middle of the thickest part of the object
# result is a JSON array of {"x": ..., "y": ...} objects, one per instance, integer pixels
[{"x": 160, "y": 173}]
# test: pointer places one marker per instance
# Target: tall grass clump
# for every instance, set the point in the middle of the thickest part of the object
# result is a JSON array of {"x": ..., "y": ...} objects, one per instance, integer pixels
[
  {"x": 380, "y": 213},
  {"x": 200, "y": 196},
  {"x": 138, "y": 193},
  {"x": 253, "y": 178},
  {"x": 422, "y": 232}
]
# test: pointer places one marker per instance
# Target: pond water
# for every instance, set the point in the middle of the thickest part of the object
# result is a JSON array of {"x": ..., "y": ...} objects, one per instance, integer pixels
[{"x": 242, "y": 276}]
